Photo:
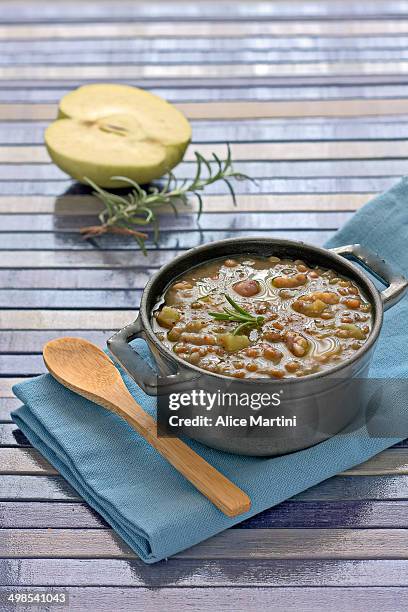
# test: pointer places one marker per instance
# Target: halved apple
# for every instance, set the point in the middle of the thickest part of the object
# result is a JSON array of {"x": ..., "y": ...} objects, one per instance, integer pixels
[{"x": 106, "y": 130}]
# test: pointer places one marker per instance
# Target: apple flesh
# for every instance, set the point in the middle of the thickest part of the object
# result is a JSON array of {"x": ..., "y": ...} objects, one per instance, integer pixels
[{"x": 106, "y": 130}]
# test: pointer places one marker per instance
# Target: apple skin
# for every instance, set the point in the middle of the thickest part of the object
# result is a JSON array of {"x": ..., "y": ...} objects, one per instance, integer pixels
[{"x": 105, "y": 130}]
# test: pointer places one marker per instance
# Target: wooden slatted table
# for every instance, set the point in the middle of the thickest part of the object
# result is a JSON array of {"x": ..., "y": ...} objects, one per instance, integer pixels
[{"x": 313, "y": 97}]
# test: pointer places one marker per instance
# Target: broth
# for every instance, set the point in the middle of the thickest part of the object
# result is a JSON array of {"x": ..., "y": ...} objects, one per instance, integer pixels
[{"x": 253, "y": 317}]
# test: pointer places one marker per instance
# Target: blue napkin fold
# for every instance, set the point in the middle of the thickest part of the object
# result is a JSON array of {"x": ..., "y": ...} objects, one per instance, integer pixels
[{"x": 154, "y": 509}]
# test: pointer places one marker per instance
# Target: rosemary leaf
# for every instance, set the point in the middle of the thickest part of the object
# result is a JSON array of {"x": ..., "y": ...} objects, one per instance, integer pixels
[{"x": 238, "y": 315}]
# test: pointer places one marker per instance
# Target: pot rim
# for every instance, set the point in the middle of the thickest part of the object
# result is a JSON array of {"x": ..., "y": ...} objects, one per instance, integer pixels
[{"x": 367, "y": 284}]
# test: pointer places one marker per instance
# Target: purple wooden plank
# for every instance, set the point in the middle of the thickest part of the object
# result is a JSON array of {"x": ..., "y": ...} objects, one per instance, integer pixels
[
  {"x": 255, "y": 130},
  {"x": 293, "y": 185},
  {"x": 61, "y": 240},
  {"x": 244, "y": 57},
  {"x": 7, "y": 404},
  {"x": 10, "y": 435},
  {"x": 33, "y": 341},
  {"x": 332, "y": 515},
  {"x": 403, "y": 444},
  {"x": 22, "y": 365},
  {"x": 288, "y": 515},
  {"x": 217, "y": 222},
  {"x": 122, "y": 278},
  {"x": 36, "y": 488},
  {"x": 225, "y": 599},
  {"x": 223, "y": 82},
  {"x": 47, "y": 488},
  {"x": 220, "y": 11},
  {"x": 55, "y": 515},
  {"x": 66, "y": 300},
  {"x": 250, "y": 92},
  {"x": 211, "y": 573},
  {"x": 96, "y": 12},
  {"x": 262, "y": 170},
  {"x": 283, "y": 44}
]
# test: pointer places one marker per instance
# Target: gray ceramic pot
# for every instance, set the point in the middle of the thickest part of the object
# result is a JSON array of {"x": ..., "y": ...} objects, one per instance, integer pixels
[{"x": 325, "y": 402}]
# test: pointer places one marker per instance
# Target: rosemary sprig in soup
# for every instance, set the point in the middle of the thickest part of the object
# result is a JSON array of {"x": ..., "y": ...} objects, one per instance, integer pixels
[{"x": 238, "y": 315}]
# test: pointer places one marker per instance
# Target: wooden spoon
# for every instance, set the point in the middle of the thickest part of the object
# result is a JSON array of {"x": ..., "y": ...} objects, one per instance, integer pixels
[{"x": 85, "y": 369}]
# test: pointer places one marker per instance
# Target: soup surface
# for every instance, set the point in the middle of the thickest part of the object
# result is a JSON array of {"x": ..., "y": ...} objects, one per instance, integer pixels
[{"x": 252, "y": 317}]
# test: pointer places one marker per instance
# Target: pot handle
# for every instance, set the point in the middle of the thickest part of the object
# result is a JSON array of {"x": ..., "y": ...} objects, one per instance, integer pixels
[
  {"x": 397, "y": 284},
  {"x": 138, "y": 368}
]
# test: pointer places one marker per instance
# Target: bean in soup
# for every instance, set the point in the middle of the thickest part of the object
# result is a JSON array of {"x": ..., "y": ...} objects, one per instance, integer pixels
[{"x": 253, "y": 317}]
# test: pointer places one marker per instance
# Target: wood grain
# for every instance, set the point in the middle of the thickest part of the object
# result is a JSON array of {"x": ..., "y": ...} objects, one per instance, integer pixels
[
  {"x": 22, "y": 365},
  {"x": 262, "y": 171},
  {"x": 278, "y": 129},
  {"x": 87, "y": 205},
  {"x": 30, "y": 462},
  {"x": 202, "y": 90},
  {"x": 10, "y": 434},
  {"x": 75, "y": 299},
  {"x": 231, "y": 544},
  {"x": 85, "y": 259},
  {"x": 180, "y": 43},
  {"x": 252, "y": 151},
  {"x": 21, "y": 342},
  {"x": 339, "y": 488},
  {"x": 200, "y": 51},
  {"x": 311, "y": 184},
  {"x": 100, "y": 12},
  {"x": 122, "y": 30},
  {"x": 246, "y": 57},
  {"x": 388, "y": 462},
  {"x": 297, "y": 514},
  {"x": 145, "y": 56},
  {"x": 228, "y": 222},
  {"x": 7, "y": 404},
  {"x": 115, "y": 278},
  {"x": 169, "y": 241},
  {"x": 237, "y": 88},
  {"x": 68, "y": 320},
  {"x": 117, "y": 259},
  {"x": 223, "y": 599},
  {"x": 24, "y": 461},
  {"x": 6, "y": 384},
  {"x": 302, "y": 543},
  {"x": 212, "y": 110},
  {"x": 196, "y": 573}
]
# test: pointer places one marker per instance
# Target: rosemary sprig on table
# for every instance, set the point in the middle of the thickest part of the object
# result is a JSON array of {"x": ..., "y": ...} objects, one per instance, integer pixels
[
  {"x": 238, "y": 315},
  {"x": 122, "y": 214}
]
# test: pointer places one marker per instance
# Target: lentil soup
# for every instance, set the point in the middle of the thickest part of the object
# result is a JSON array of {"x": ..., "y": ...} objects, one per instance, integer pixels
[{"x": 253, "y": 317}]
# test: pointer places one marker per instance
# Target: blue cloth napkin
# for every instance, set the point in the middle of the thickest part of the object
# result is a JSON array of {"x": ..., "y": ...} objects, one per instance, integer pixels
[{"x": 154, "y": 509}]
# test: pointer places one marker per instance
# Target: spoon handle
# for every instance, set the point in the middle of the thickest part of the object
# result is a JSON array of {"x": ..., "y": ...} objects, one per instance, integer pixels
[{"x": 223, "y": 493}]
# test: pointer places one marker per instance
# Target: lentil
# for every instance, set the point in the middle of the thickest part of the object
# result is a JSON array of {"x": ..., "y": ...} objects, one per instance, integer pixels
[{"x": 311, "y": 318}]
